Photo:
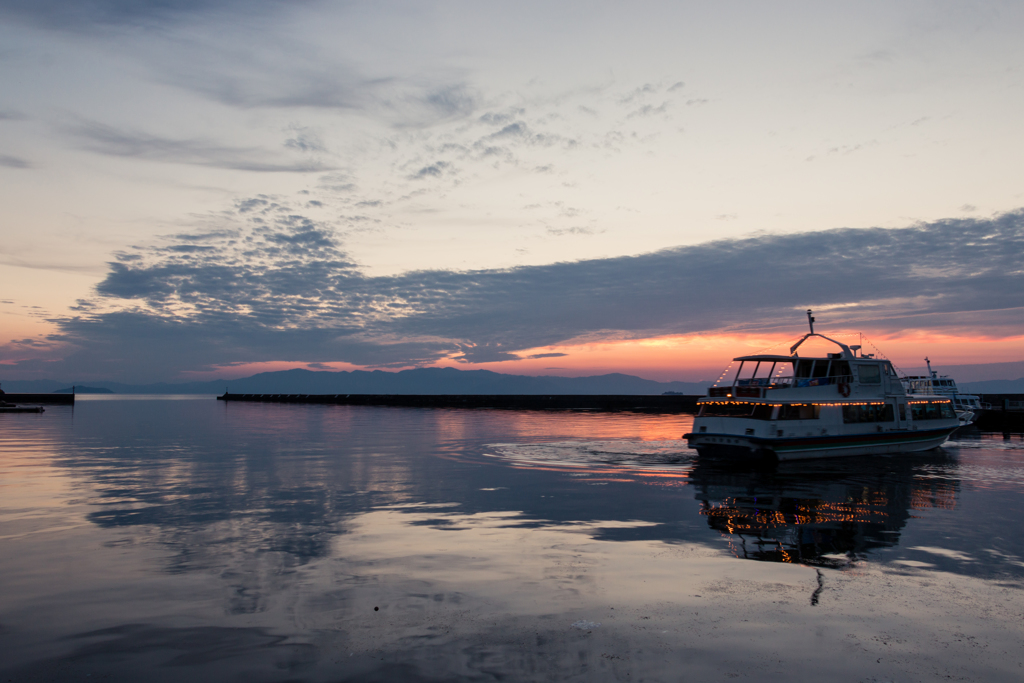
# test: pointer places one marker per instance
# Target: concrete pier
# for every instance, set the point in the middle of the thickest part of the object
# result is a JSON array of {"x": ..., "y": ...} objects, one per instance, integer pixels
[
  {"x": 605, "y": 403},
  {"x": 1005, "y": 415}
]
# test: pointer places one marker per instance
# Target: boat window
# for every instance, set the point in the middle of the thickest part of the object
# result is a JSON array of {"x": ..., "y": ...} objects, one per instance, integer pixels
[
  {"x": 932, "y": 411},
  {"x": 872, "y": 413},
  {"x": 799, "y": 412},
  {"x": 925, "y": 411},
  {"x": 840, "y": 368},
  {"x": 803, "y": 368},
  {"x": 725, "y": 410},
  {"x": 820, "y": 368},
  {"x": 747, "y": 410},
  {"x": 869, "y": 374}
]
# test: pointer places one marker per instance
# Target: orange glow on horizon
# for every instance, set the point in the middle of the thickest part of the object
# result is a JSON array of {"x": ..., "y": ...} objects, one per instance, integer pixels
[
  {"x": 908, "y": 350},
  {"x": 703, "y": 357},
  {"x": 689, "y": 358},
  {"x": 239, "y": 370}
]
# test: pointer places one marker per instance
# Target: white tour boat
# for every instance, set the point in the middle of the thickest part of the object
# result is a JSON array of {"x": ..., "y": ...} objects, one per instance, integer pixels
[
  {"x": 966, "y": 406},
  {"x": 792, "y": 407}
]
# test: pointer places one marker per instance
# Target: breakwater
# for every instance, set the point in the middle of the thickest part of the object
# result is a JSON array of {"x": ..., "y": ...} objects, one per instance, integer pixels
[
  {"x": 1005, "y": 414},
  {"x": 49, "y": 399},
  {"x": 603, "y": 403}
]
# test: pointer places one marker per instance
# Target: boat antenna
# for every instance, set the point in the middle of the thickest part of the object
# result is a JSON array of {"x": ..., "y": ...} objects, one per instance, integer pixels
[
  {"x": 810, "y": 321},
  {"x": 931, "y": 373}
]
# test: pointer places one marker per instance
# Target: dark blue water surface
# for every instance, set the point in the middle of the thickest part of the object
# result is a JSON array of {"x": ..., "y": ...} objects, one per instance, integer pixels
[{"x": 190, "y": 539}]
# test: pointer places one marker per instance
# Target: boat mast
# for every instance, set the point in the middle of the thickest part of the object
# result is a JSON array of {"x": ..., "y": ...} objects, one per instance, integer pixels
[{"x": 810, "y": 321}]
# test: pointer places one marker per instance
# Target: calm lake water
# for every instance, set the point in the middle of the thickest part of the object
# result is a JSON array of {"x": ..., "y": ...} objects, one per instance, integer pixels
[{"x": 173, "y": 540}]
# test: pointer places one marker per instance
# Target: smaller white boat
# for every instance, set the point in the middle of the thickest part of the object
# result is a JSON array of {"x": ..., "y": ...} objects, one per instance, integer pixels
[{"x": 966, "y": 406}]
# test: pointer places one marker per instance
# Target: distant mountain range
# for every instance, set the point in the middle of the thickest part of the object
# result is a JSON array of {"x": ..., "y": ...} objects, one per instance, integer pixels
[
  {"x": 993, "y": 386},
  {"x": 418, "y": 381},
  {"x": 82, "y": 389}
]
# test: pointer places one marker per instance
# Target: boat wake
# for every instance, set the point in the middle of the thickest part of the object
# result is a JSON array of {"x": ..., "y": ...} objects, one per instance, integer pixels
[
  {"x": 987, "y": 443},
  {"x": 604, "y": 455}
]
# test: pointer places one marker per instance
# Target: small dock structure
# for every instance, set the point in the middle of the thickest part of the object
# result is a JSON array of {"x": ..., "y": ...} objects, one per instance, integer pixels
[{"x": 37, "y": 399}]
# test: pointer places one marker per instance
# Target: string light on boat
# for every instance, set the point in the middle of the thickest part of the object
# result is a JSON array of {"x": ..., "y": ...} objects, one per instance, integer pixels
[
  {"x": 724, "y": 373},
  {"x": 863, "y": 340},
  {"x": 788, "y": 342}
]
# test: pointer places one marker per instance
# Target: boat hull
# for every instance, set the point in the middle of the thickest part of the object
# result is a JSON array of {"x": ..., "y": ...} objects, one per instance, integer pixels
[{"x": 812, "y": 447}]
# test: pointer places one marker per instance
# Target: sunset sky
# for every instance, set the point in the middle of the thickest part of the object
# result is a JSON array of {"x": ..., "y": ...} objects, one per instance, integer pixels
[{"x": 210, "y": 188}]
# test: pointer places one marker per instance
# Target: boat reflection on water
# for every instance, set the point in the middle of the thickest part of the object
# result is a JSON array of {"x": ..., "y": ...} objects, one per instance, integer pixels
[{"x": 828, "y": 513}]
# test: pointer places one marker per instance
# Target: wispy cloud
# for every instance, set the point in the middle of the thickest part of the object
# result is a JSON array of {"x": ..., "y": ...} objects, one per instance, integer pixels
[
  {"x": 279, "y": 286},
  {"x": 10, "y": 161},
  {"x": 434, "y": 170},
  {"x": 134, "y": 144},
  {"x": 207, "y": 47},
  {"x": 305, "y": 140},
  {"x": 558, "y": 232}
]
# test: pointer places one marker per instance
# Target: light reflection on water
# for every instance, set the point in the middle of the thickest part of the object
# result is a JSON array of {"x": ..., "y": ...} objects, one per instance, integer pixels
[{"x": 228, "y": 540}]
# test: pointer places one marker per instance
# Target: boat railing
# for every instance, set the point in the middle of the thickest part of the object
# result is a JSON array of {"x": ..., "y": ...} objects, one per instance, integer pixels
[
  {"x": 927, "y": 386},
  {"x": 756, "y": 386},
  {"x": 794, "y": 382}
]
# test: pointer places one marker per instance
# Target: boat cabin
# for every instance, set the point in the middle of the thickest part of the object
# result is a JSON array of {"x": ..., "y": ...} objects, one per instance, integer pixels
[{"x": 844, "y": 372}]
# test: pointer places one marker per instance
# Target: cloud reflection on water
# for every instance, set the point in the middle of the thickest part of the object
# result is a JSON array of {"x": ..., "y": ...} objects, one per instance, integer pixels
[
  {"x": 215, "y": 531},
  {"x": 285, "y": 481}
]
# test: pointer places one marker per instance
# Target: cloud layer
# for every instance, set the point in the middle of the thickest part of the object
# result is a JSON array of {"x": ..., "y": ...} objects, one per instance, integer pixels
[
  {"x": 273, "y": 284},
  {"x": 80, "y": 15},
  {"x": 453, "y": 142}
]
